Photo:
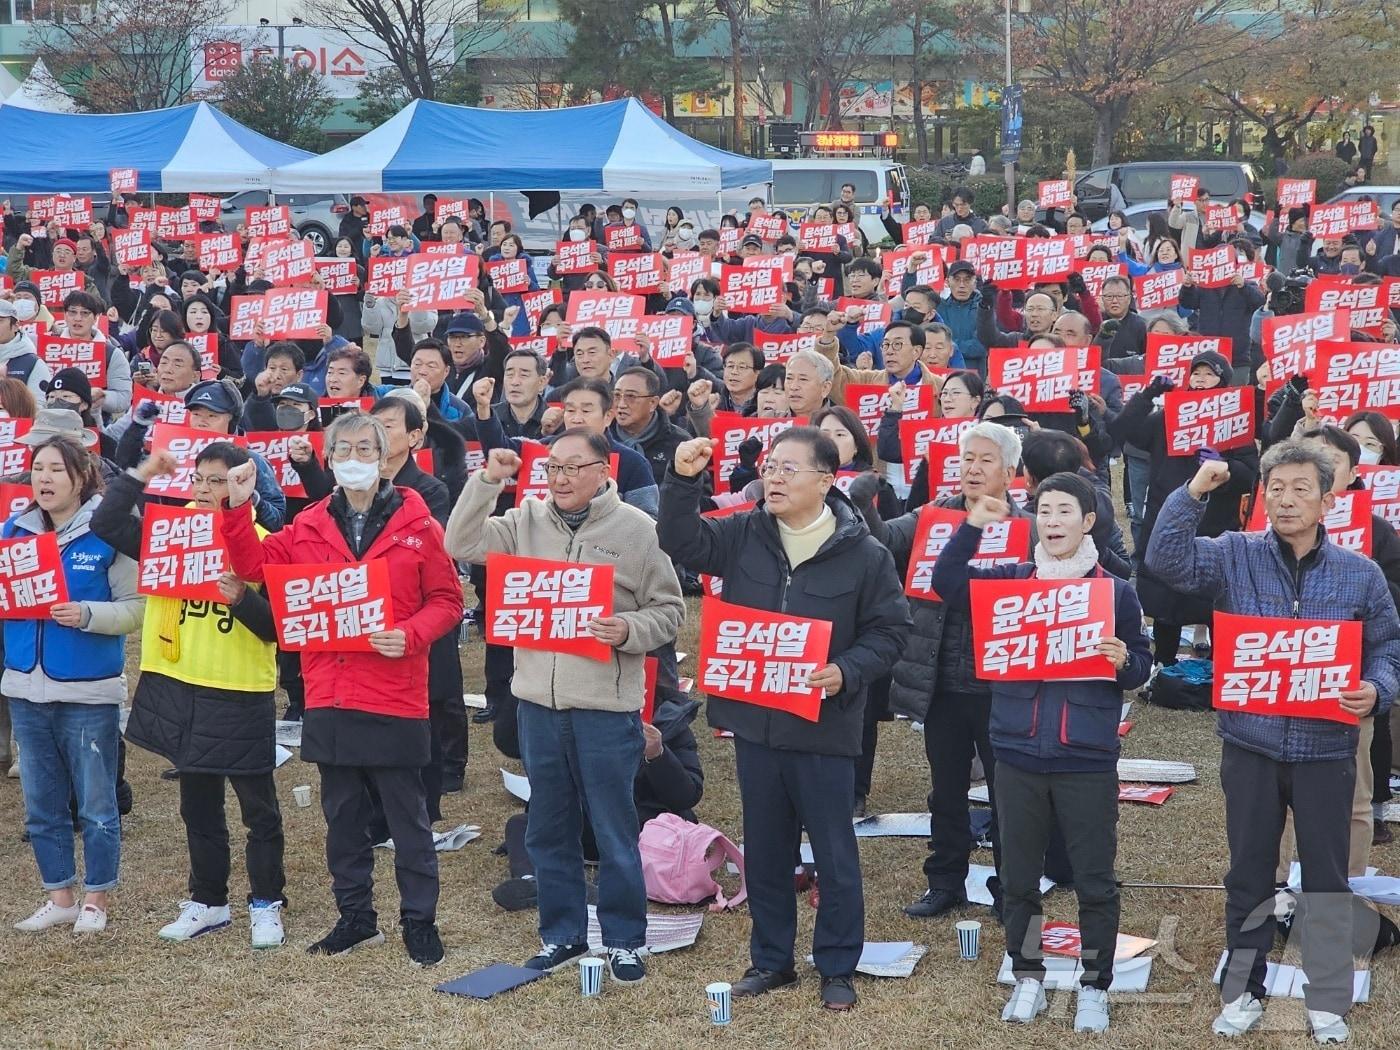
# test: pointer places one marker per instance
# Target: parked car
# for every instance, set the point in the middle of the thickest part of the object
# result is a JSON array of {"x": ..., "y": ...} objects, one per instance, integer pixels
[
  {"x": 1145, "y": 181},
  {"x": 801, "y": 184},
  {"x": 1386, "y": 196},
  {"x": 1137, "y": 217},
  {"x": 315, "y": 216}
]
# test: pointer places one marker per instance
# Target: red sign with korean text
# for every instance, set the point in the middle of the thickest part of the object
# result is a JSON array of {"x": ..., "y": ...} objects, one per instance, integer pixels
[
  {"x": 340, "y": 276},
  {"x": 54, "y": 285},
  {"x": 289, "y": 263},
  {"x": 294, "y": 313},
  {"x": 1156, "y": 291},
  {"x": 1290, "y": 342},
  {"x": 685, "y": 268},
  {"x": 206, "y": 345},
  {"x": 1276, "y": 666},
  {"x": 273, "y": 446},
  {"x": 122, "y": 180},
  {"x": 760, "y": 657},
  {"x": 918, "y": 437},
  {"x": 624, "y": 238},
  {"x": 1215, "y": 267},
  {"x": 670, "y": 336},
  {"x": 31, "y": 577},
  {"x": 777, "y": 347},
  {"x": 868, "y": 401},
  {"x": 182, "y": 553},
  {"x": 441, "y": 282},
  {"x": 1032, "y": 630},
  {"x": 269, "y": 221},
  {"x": 380, "y": 219},
  {"x": 636, "y": 272},
  {"x": 1383, "y": 482},
  {"x": 751, "y": 289},
  {"x": 1095, "y": 274},
  {"x": 205, "y": 207},
  {"x": 1183, "y": 188},
  {"x": 446, "y": 209},
  {"x": 1220, "y": 419},
  {"x": 184, "y": 443},
  {"x": 547, "y": 605},
  {"x": 732, "y": 430},
  {"x": 819, "y": 237},
  {"x": 171, "y": 407},
  {"x": 1006, "y": 542},
  {"x": 1369, "y": 304},
  {"x": 617, "y": 313},
  {"x": 177, "y": 224},
  {"x": 532, "y": 480},
  {"x": 874, "y": 314},
  {"x": 1217, "y": 217},
  {"x": 131, "y": 248},
  {"x": 14, "y": 498},
  {"x": 1170, "y": 355},
  {"x": 575, "y": 257},
  {"x": 89, "y": 355},
  {"x": 536, "y": 303},
  {"x": 921, "y": 232},
  {"x": 330, "y": 607},
  {"x": 1348, "y": 524},
  {"x": 1296, "y": 193},
  {"x": 1042, "y": 379},
  {"x": 768, "y": 226},
  {"x": 386, "y": 274},
  {"x": 510, "y": 275},
  {"x": 219, "y": 251},
  {"x": 1055, "y": 193}
]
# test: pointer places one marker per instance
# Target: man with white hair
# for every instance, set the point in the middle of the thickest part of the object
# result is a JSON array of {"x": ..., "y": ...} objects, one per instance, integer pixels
[{"x": 808, "y": 382}]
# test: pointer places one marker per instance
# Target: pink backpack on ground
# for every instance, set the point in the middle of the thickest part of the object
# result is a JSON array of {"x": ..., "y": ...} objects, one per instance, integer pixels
[{"x": 679, "y": 860}]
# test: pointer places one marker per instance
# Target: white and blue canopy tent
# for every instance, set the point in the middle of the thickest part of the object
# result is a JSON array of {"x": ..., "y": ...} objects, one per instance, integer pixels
[
  {"x": 185, "y": 149},
  {"x": 616, "y": 147},
  {"x": 40, "y": 90}
]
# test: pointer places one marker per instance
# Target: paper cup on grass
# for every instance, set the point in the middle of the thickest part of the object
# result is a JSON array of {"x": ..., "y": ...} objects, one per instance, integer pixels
[
  {"x": 969, "y": 936},
  {"x": 718, "y": 996},
  {"x": 301, "y": 794},
  {"x": 590, "y": 977}
]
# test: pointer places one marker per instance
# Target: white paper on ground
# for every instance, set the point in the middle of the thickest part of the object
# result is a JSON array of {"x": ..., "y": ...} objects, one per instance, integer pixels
[
  {"x": 1127, "y": 709},
  {"x": 976, "y": 885},
  {"x": 804, "y": 851},
  {"x": 681, "y": 657},
  {"x": 477, "y": 700},
  {"x": 1063, "y": 974},
  {"x": 893, "y": 824},
  {"x": 445, "y": 841},
  {"x": 889, "y": 958},
  {"x": 665, "y": 932},
  {"x": 1295, "y": 876},
  {"x": 1383, "y": 889},
  {"x": 282, "y": 755},
  {"x": 517, "y": 785},
  {"x": 1150, "y": 771},
  {"x": 1285, "y": 981},
  {"x": 979, "y": 793},
  {"x": 288, "y": 733},
  {"x": 1390, "y": 812}
]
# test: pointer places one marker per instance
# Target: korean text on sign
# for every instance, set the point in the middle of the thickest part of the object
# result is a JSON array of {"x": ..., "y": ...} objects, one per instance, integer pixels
[
  {"x": 1218, "y": 419},
  {"x": 1005, "y": 542},
  {"x": 762, "y": 657},
  {"x": 1033, "y": 630},
  {"x": 1279, "y": 666},
  {"x": 182, "y": 553},
  {"x": 31, "y": 577},
  {"x": 540, "y": 604},
  {"x": 331, "y": 608}
]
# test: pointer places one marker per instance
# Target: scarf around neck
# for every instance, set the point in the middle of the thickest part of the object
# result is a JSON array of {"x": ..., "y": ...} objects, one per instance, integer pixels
[{"x": 1080, "y": 563}]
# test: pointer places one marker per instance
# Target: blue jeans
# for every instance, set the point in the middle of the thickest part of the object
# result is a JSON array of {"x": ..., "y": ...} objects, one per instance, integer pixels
[
  {"x": 1139, "y": 473},
  {"x": 577, "y": 762},
  {"x": 70, "y": 751}
]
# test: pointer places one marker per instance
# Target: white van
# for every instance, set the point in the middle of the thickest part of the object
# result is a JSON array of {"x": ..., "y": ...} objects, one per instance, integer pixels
[{"x": 800, "y": 184}]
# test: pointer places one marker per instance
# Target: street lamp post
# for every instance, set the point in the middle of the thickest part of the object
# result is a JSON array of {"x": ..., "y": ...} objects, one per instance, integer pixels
[
  {"x": 1009, "y": 169},
  {"x": 281, "y": 34}
]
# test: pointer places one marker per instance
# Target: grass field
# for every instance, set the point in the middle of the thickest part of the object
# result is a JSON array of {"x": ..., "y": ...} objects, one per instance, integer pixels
[{"x": 127, "y": 988}]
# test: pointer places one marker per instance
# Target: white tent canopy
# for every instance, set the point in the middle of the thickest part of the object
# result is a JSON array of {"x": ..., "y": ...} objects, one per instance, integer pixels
[{"x": 40, "y": 91}]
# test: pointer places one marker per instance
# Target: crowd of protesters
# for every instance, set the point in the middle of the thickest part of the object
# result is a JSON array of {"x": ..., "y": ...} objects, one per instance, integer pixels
[{"x": 407, "y": 430}]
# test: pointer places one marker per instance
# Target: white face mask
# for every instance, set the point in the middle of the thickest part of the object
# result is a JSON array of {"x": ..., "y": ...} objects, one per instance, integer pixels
[
  {"x": 685, "y": 234},
  {"x": 25, "y": 309},
  {"x": 549, "y": 331},
  {"x": 1370, "y": 456},
  {"x": 629, "y": 213},
  {"x": 578, "y": 235},
  {"x": 704, "y": 307},
  {"x": 356, "y": 475}
]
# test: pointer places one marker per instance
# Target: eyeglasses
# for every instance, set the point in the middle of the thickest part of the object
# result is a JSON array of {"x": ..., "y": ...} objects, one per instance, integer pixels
[
  {"x": 212, "y": 480},
  {"x": 897, "y": 345},
  {"x": 738, "y": 366},
  {"x": 1115, "y": 295},
  {"x": 569, "y": 470},
  {"x": 628, "y": 396},
  {"x": 365, "y": 450},
  {"x": 787, "y": 471}
]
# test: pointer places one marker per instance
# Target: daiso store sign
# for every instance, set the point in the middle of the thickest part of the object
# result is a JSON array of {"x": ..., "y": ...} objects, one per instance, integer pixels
[{"x": 342, "y": 62}]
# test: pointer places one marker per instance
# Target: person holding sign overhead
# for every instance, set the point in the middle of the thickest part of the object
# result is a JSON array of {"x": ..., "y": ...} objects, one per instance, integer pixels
[
  {"x": 64, "y": 657},
  {"x": 1055, "y": 740},
  {"x": 805, "y": 552},
  {"x": 1273, "y": 762},
  {"x": 581, "y": 682},
  {"x": 366, "y": 719}
]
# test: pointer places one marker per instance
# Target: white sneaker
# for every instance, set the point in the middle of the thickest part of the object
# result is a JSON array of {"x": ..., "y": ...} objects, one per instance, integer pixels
[
  {"x": 91, "y": 919},
  {"x": 265, "y": 917},
  {"x": 1328, "y": 1028},
  {"x": 1091, "y": 1013},
  {"x": 194, "y": 921},
  {"x": 1027, "y": 1002},
  {"x": 1238, "y": 1017},
  {"x": 49, "y": 914}
]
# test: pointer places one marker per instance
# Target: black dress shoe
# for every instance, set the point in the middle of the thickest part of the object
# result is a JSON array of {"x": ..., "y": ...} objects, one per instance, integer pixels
[
  {"x": 486, "y": 714},
  {"x": 761, "y": 982},
  {"x": 935, "y": 903},
  {"x": 838, "y": 993}
]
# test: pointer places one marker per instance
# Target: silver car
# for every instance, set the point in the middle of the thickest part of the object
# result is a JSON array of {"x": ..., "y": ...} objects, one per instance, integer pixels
[
  {"x": 1137, "y": 215},
  {"x": 315, "y": 216}
]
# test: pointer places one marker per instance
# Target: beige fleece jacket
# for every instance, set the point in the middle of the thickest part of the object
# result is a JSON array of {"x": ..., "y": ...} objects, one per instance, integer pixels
[{"x": 646, "y": 593}]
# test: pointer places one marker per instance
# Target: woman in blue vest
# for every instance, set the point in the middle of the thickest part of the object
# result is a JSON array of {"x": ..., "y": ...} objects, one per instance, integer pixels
[{"x": 63, "y": 678}]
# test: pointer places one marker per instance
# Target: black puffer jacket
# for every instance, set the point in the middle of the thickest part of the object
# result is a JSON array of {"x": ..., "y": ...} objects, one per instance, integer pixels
[
  {"x": 850, "y": 581},
  {"x": 674, "y": 781},
  {"x": 1227, "y": 311}
]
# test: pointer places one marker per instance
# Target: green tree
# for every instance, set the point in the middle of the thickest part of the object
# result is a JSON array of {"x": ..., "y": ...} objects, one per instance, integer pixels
[
  {"x": 283, "y": 101},
  {"x": 383, "y": 93}
]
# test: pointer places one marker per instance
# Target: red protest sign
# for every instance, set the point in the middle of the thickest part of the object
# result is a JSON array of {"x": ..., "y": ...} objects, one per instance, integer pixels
[
  {"x": 1095, "y": 274},
  {"x": 1171, "y": 355},
  {"x": 1275, "y": 666},
  {"x": 294, "y": 313},
  {"x": 532, "y": 481},
  {"x": 182, "y": 553},
  {"x": 1219, "y": 419},
  {"x": 926, "y": 263},
  {"x": 90, "y": 355},
  {"x": 444, "y": 209},
  {"x": 640, "y": 273},
  {"x": 624, "y": 238},
  {"x": 273, "y": 446},
  {"x": 760, "y": 657},
  {"x": 1032, "y": 630},
  {"x": 184, "y": 443},
  {"x": 536, "y": 303},
  {"x": 1330, "y": 220},
  {"x": 330, "y": 608},
  {"x": 918, "y": 437},
  {"x": 873, "y": 314},
  {"x": 732, "y": 430},
  {"x": 509, "y": 275},
  {"x": 171, "y": 406},
  {"x": 386, "y": 274},
  {"x": 686, "y": 268},
  {"x": 269, "y": 221},
  {"x": 441, "y": 282},
  {"x": 778, "y": 347},
  {"x": 340, "y": 276},
  {"x": 245, "y": 311},
  {"x": 1149, "y": 794},
  {"x": 768, "y": 226},
  {"x": 122, "y": 180},
  {"x": 1217, "y": 217},
  {"x": 921, "y": 232},
  {"x": 1369, "y": 304},
  {"x": 1020, "y": 262},
  {"x": 1055, "y": 193},
  {"x": 177, "y": 224},
  {"x": 206, "y": 345},
  {"x": 1214, "y": 268},
  {"x": 73, "y": 212},
  {"x": 729, "y": 240},
  {"x": 54, "y": 285},
  {"x": 868, "y": 400},
  {"x": 751, "y": 289},
  {"x": 819, "y": 237},
  {"x": 540, "y": 604},
  {"x": 1156, "y": 291},
  {"x": 1383, "y": 483},
  {"x": 1296, "y": 193},
  {"x": 205, "y": 207},
  {"x": 771, "y": 262},
  {"x": 31, "y": 577},
  {"x": 1042, "y": 379},
  {"x": 14, "y": 498},
  {"x": 289, "y": 263},
  {"x": 540, "y": 345},
  {"x": 1006, "y": 542},
  {"x": 441, "y": 248},
  {"x": 131, "y": 248},
  {"x": 380, "y": 219},
  {"x": 575, "y": 257},
  {"x": 1183, "y": 188},
  {"x": 1348, "y": 524},
  {"x": 1338, "y": 361},
  {"x": 1336, "y": 401},
  {"x": 617, "y": 313},
  {"x": 670, "y": 336},
  {"x": 219, "y": 251},
  {"x": 1290, "y": 342},
  {"x": 1365, "y": 214},
  {"x": 944, "y": 469}
]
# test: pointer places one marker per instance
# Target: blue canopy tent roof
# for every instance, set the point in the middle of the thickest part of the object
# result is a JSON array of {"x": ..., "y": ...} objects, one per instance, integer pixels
[
  {"x": 617, "y": 147},
  {"x": 186, "y": 149}
]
